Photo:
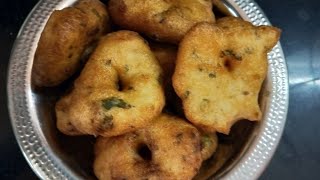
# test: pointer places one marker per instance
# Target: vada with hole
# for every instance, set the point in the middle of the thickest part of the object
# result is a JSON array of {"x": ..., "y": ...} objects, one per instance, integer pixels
[
  {"x": 118, "y": 91},
  {"x": 219, "y": 72},
  {"x": 167, "y": 149}
]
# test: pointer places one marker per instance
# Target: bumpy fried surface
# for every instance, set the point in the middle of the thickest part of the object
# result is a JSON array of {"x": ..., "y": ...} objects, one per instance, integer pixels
[
  {"x": 163, "y": 20},
  {"x": 219, "y": 72},
  {"x": 118, "y": 90},
  {"x": 64, "y": 39},
  {"x": 167, "y": 149},
  {"x": 209, "y": 144}
]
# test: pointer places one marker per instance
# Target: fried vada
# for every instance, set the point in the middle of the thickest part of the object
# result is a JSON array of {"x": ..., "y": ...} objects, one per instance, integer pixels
[
  {"x": 219, "y": 72},
  {"x": 117, "y": 92},
  {"x": 64, "y": 40},
  {"x": 162, "y": 20},
  {"x": 167, "y": 149}
]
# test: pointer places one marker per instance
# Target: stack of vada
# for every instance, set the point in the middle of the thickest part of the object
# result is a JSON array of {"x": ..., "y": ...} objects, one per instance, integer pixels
[{"x": 155, "y": 100}]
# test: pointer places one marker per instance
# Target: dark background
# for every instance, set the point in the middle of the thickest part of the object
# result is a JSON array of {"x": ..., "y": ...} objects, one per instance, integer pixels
[{"x": 298, "y": 154}]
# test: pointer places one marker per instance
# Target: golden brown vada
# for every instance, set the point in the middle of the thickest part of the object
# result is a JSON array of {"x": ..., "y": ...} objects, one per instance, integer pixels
[
  {"x": 161, "y": 20},
  {"x": 64, "y": 39},
  {"x": 118, "y": 90},
  {"x": 219, "y": 72},
  {"x": 167, "y": 149}
]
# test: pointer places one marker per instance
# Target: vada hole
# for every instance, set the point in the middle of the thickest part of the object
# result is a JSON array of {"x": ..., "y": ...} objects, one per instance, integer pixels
[
  {"x": 227, "y": 64},
  {"x": 144, "y": 152},
  {"x": 120, "y": 85}
]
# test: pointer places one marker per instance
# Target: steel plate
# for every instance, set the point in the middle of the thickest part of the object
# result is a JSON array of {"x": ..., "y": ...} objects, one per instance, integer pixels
[{"x": 55, "y": 156}]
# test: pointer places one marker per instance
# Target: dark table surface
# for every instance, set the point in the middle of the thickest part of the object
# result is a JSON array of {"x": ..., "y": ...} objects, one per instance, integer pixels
[{"x": 298, "y": 154}]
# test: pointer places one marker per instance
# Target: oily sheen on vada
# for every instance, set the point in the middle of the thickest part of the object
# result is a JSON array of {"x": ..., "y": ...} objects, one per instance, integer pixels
[
  {"x": 219, "y": 72},
  {"x": 118, "y": 90},
  {"x": 162, "y": 20},
  {"x": 167, "y": 149},
  {"x": 64, "y": 40}
]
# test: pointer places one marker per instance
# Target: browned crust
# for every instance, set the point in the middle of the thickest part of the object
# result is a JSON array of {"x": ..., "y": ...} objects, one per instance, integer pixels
[
  {"x": 166, "y": 21},
  {"x": 174, "y": 147},
  {"x": 222, "y": 68},
  {"x": 65, "y": 37},
  {"x": 97, "y": 106}
]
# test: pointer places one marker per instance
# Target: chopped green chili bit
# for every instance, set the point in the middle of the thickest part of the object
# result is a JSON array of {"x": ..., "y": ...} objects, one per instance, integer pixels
[
  {"x": 126, "y": 67},
  {"x": 231, "y": 53},
  {"x": 212, "y": 75},
  {"x": 206, "y": 100},
  {"x": 115, "y": 102},
  {"x": 186, "y": 94},
  {"x": 205, "y": 141},
  {"x": 108, "y": 62},
  {"x": 107, "y": 122}
]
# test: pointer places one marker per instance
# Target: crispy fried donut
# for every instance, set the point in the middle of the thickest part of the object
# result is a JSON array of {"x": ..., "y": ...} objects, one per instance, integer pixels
[
  {"x": 162, "y": 20},
  {"x": 209, "y": 144},
  {"x": 167, "y": 149},
  {"x": 219, "y": 72},
  {"x": 97, "y": 105},
  {"x": 64, "y": 39}
]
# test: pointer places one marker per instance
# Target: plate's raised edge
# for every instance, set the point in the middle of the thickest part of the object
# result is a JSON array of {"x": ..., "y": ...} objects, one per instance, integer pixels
[
  {"x": 260, "y": 152},
  {"x": 36, "y": 151}
]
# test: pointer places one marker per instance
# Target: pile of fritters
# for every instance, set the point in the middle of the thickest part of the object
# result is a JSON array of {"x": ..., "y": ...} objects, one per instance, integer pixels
[{"x": 155, "y": 107}]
